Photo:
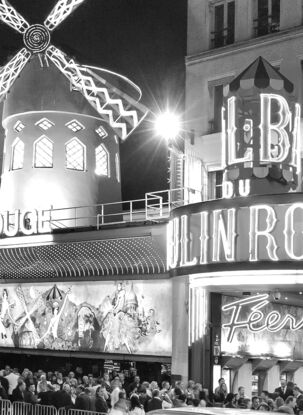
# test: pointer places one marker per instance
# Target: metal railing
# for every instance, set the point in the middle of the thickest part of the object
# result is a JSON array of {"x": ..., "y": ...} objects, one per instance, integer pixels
[
  {"x": 23, "y": 408},
  {"x": 156, "y": 206}
]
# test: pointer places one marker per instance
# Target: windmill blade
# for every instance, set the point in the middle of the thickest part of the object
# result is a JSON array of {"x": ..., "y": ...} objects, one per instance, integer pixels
[
  {"x": 11, "y": 71},
  {"x": 12, "y": 18},
  {"x": 119, "y": 110},
  {"x": 60, "y": 12}
]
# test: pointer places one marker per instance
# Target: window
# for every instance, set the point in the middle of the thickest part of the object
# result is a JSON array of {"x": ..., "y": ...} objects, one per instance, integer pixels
[
  {"x": 19, "y": 126},
  {"x": 75, "y": 126},
  {"x": 224, "y": 24},
  {"x": 17, "y": 154},
  {"x": 102, "y": 161},
  {"x": 215, "y": 184},
  {"x": 268, "y": 17},
  {"x": 75, "y": 155},
  {"x": 101, "y": 132},
  {"x": 45, "y": 124},
  {"x": 117, "y": 162},
  {"x": 43, "y": 152}
]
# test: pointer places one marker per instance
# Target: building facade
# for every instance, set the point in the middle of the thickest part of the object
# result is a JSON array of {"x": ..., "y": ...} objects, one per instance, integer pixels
[{"x": 232, "y": 276}]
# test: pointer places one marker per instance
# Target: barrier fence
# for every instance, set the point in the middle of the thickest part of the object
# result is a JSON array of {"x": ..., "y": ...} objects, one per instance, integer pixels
[{"x": 23, "y": 408}]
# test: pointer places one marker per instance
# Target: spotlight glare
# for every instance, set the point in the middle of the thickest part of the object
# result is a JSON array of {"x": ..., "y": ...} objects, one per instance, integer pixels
[{"x": 167, "y": 125}]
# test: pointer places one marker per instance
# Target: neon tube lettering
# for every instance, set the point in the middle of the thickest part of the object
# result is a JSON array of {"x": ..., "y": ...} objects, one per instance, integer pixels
[
  {"x": 255, "y": 233},
  {"x": 228, "y": 237},
  {"x": 273, "y": 322},
  {"x": 185, "y": 244},
  {"x": 289, "y": 231},
  {"x": 231, "y": 136},
  {"x": 204, "y": 238},
  {"x": 274, "y": 138}
]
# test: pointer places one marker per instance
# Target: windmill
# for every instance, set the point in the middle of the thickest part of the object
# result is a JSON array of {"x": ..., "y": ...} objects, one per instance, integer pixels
[{"x": 121, "y": 111}]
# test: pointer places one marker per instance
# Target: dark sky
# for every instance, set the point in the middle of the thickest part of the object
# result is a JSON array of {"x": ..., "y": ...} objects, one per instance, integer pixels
[{"x": 142, "y": 39}]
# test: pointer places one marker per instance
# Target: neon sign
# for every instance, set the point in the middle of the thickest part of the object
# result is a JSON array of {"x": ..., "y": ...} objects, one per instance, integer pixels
[
  {"x": 257, "y": 321},
  {"x": 26, "y": 222},
  {"x": 202, "y": 234},
  {"x": 261, "y": 139}
]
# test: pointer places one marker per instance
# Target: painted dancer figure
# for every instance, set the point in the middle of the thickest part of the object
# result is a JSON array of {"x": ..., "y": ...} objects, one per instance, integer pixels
[
  {"x": 5, "y": 313},
  {"x": 56, "y": 315}
]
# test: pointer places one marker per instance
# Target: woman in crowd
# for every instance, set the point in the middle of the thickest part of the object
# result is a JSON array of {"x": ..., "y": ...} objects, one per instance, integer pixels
[{"x": 135, "y": 406}]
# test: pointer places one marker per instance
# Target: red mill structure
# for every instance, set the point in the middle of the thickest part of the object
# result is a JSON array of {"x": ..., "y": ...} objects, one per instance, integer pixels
[{"x": 76, "y": 281}]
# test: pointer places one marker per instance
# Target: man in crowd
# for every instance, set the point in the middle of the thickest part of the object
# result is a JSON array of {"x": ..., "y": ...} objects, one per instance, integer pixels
[
  {"x": 289, "y": 405},
  {"x": 284, "y": 391}
]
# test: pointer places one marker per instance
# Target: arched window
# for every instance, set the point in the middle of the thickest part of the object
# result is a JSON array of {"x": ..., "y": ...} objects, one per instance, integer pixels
[
  {"x": 75, "y": 154},
  {"x": 43, "y": 152},
  {"x": 17, "y": 154},
  {"x": 102, "y": 161}
]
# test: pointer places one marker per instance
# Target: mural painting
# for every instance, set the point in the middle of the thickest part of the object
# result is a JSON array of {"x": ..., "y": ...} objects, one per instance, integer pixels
[{"x": 113, "y": 317}]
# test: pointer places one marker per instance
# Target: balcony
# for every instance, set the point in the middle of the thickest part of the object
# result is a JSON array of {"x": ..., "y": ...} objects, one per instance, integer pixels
[
  {"x": 266, "y": 26},
  {"x": 222, "y": 37}
]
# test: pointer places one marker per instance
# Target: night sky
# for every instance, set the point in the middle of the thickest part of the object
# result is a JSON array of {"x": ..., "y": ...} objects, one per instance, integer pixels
[{"x": 142, "y": 39}]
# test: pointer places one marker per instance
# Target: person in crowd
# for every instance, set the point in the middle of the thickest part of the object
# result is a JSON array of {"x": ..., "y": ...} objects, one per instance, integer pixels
[
  {"x": 121, "y": 406},
  {"x": 263, "y": 407},
  {"x": 197, "y": 389},
  {"x": 264, "y": 396},
  {"x": 289, "y": 405},
  {"x": 241, "y": 392},
  {"x": 114, "y": 396},
  {"x": 60, "y": 379},
  {"x": 135, "y": 406},
  {"x": 244, "y": 403},
  {"x": 189, "y": 390},
  {"x": 283, "y": 390},
  {"x": 30, "y": 395},
  {"x": 83, "y": 400},
  {"x": 278, "y": 402},
  {"x": 46, "y": 394},
  {"x": 177, "y": 403},
  {"x": 220, "y": 391},
  {"x": 255, "y": 402},
  {"x": 62, "y": 398},
  {"x": 18, "y": 392},
  {"x": 299, "y": 399},
  {"x": 12, "y": 377},
  {"x": 155, "y": 402},
  {"x": 143, "y": 396},
  {"x": 230, "y": 401},
  {"x": 3, "y": 392},
  {"x": 100, "y": 402}
]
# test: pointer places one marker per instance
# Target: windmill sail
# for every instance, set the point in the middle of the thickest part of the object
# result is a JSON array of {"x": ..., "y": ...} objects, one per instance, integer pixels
[
  {"x": 121, "y": 112},
  {"x": 12, "y": 18},
  {"x": 60, "y": 12},
  {"x": 11, "y": 71}
]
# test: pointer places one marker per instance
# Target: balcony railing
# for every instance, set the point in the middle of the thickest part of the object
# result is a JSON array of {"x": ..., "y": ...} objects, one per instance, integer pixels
[
  {"x": 222, "y": 37},
  {"x": 265, "y": 26},
  {"x": 155, "y": 207}
]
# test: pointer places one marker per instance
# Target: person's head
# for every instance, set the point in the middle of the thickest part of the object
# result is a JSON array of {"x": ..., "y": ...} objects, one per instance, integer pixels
[
  {"x": 137, "y": 379},
  {"x": 271, "y": 404},
  {"x": 90, "y": 378},
  {"x": 156, "y": 393},
  {"x": 296, "y": 391},
  {"x": 122, "y": 395},
  {"x": 85, "y": 380},
  {"x": 71, "y": 375},
  {"x": 66, "y": 388},
  {"x": 255, "y": 401},
  {"x": 21, "y": 385},
  {"x": 196, "y": 402},
  {"x": 106, "y": 377},
  {"x": 191, "y": 384},
  {"x": 121, "y": 377},
  {"x": 290, "y": 385},
  {"x": 230, "y": 397},
  {"x": 165, "y": 385},
  {"x": 182, "y": 397},
  {"x": 241, "y": 391},
  {"x": 221, "y": 380},
  {"x": 177, "y": 392},
  {"x": 279, "y": 402},
  {"x": 290, "y": 401},
  {"x": 263, "y": 407},
  {"x": 283, "y": 383},
  {"x": 32, "y": 388},
  {"x": 153, "y": 385},
  {"x": 134, "y": 402}
]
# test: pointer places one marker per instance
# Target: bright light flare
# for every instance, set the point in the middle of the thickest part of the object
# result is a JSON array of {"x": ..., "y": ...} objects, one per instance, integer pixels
[{"x": 167, "y": 125}]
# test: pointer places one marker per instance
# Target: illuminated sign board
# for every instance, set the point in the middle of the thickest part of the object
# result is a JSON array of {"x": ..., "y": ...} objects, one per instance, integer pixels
[
  {"x": 128, "y": 317},
  {"x": 26, "y": 222},
  {"x": 261, "y": 138},
  {"x": 257, "y": 327},
  {"x": 261, "y": 228}
]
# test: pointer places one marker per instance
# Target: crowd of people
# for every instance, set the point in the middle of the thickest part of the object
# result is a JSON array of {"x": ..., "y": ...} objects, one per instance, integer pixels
[
  {"x": 287, "y": 398},
  {"x": 117, "y": 395}
]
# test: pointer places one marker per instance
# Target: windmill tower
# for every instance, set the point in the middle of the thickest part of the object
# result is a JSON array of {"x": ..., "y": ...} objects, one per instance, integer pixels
[{"x": 62, "y": 121}]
